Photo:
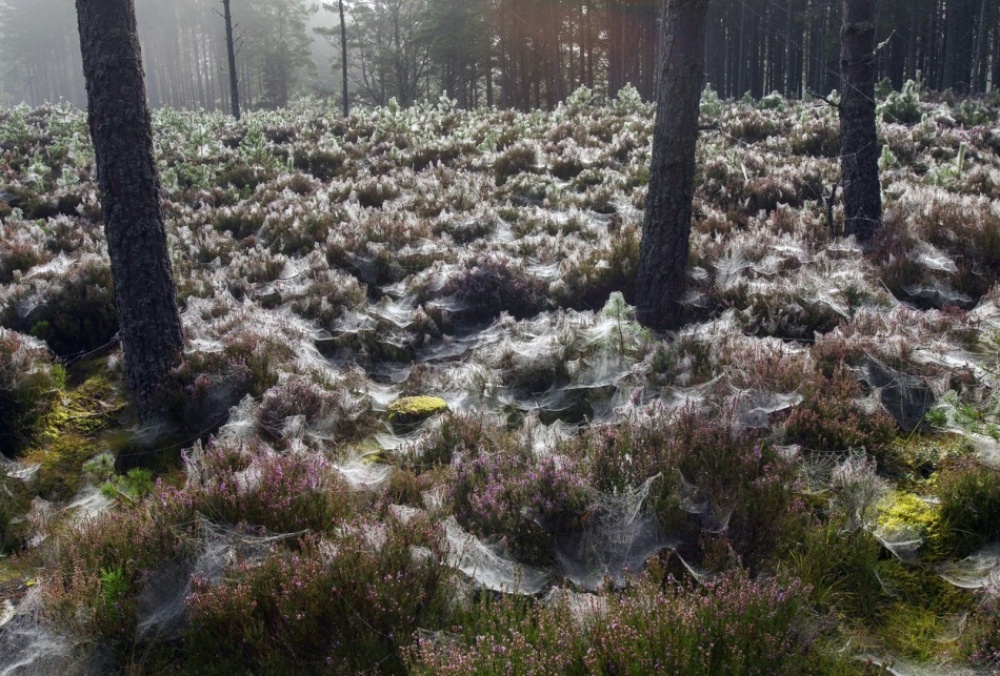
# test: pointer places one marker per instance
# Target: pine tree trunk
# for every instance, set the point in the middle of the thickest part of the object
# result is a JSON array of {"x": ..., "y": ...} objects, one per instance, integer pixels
[
  {"x": 859, "y": 149},
  {"x": 133, "y": 223},
  {"x": 343, "y": 58},
  {"x": 234, "y": 82},
  {"x": 663, "y": 252}
]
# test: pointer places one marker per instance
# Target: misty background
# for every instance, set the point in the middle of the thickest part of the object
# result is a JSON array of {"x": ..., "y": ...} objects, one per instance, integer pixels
[{"x": 509, "y": 53}]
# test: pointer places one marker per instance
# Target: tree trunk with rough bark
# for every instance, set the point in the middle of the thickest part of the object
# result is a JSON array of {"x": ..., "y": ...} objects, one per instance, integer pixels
[
  {"x": 663, "y": 251},
  {"x": 859, "y": 148},
  {"x": 121, "y": 130},
  {"x": 234, "y": 82}
]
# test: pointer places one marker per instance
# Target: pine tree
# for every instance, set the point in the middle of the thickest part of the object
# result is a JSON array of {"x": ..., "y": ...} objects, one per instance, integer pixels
[
  {"x": 121, "y": 130},
  {"x": 663, "y": 251}
]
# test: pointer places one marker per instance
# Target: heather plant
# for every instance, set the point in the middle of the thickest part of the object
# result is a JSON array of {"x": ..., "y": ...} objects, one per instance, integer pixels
[
  {"x": 14, "y": 503},
  {"x": 236, "y": 483},
  {"x": 732, "y": 482},
  {"x": 732, "y": 625},
  {"x": 587, "y": 283},
  {"x": 299, "y": 396},
  {"x": 492, "y": 284},
  {"x": 969, "y": 509},
  {"x": 513, "y": 161},
  {"x": 30, "y": 380},
  {"x": 519, "y": 501},
  {"x": 100, "y": 566},
  {"x": 459, "y": 434},
  {"x": 984, "y": 637},
  {"x": 73, "y": 311},
  {"x": 828, "y": 419},
  {"x": 350, "y": 605}
]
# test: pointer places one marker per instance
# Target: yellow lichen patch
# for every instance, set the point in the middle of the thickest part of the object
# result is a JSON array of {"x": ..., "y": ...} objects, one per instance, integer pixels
[{"x": 415, "y": 409}]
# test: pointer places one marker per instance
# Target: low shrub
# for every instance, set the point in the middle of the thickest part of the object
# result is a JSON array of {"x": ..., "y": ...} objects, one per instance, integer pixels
[
  {"x": 734, "y": 483},
  {"x": 828, "y": 419},
  {"x": 514, "y": 160},
  {"x": 492, "y": 284},
  {"x": 588, "y": 283},
  {"x": 345, "y": 607},
  {"x": 969, "y": 511},
  {"x": 732, "y": 625},
  {"x": 236, "y": 483},
  {"x": 73, "y": 312},
  {"x": 97, "y": 570},
  {"x": 323, "y": 164},
  {"x": 14, "y": 502},
  {"x": 30, "y": 380},
  {"x": 509, "y": 496}
]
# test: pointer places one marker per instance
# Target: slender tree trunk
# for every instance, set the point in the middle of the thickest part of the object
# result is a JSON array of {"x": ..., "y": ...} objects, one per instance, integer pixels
[
  {"x": 234, "y": 82},
  {"x": 859, "y": 149},
  {"x": 121, "y": 130},
  {"x": 982, "y": 56},
  {"x": 663, "y": 251},
  {"x": 343, "y": 59}
]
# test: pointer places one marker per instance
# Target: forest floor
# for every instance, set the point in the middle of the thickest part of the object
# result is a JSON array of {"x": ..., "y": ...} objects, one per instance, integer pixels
[{"x": 803, "y": 479}]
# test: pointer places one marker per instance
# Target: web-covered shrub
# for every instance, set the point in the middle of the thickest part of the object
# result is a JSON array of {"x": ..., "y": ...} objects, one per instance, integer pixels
[
  {"x": 524, "y": 502},
  {"x": 73, "y": 309},
  {"x": 345, "y": 606},
  {"x": 731, "y": 626},
  {"x": 30, "y": 380},
  {"x": 492, "y": 284}
]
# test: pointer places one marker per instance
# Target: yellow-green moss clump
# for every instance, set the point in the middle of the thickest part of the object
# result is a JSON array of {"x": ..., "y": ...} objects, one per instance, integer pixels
[
  {"x": 409, "y": 410},
  {"x": 910, "y": 513},
  {"x": 74, "y": 431}
]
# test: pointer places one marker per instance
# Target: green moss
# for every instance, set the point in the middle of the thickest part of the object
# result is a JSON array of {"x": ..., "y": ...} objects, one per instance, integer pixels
[
  {"x": 72, "y": 432},
  {"x": 409, "y": 410},
  {"x": 970, "y": 507},
  {"x": 910, "y": 513},
  {"x": 913, "y": 632}
]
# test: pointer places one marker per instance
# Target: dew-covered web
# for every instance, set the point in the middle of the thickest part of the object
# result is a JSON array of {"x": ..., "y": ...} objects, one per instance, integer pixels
[
  {"x": 617, "y": 538},
  {"x": 30, "y": 646},
  {"x": 373, "y": 309},
  {"x": 161, "y": 603}
]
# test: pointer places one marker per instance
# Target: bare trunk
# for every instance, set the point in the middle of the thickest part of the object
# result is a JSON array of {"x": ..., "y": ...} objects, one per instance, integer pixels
[
  {"x": 120, "y": 127},
  {"x": 663, "y": 252},
  {"x": 234, "y": 82},
  {"x": 859, "y": 149}
]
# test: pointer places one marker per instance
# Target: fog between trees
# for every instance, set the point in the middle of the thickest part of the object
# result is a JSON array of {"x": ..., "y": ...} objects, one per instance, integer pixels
[{"x": 509, "y": 53}]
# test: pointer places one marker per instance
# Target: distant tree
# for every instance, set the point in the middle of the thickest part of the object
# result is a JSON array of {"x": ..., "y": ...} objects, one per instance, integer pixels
[
  {"x": 340, "y": 33},
  {"x": 859, "y": 148},
  {"x": 121, "y": 130},
  {"x": 278, "y": 47},
  {"x": 234, "y": 82},
  {"x": 392, "y": 57},
  {"x": 663, "y": 251},
  {"x": 344, "y": 85}
]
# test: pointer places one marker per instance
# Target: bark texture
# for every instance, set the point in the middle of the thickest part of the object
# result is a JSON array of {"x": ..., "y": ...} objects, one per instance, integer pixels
[
  {"x": 234, "y": 83},
  {"x": 666, "y": 231},
  {"x": 859, "y": 148},
  {"x": 133, "y": 223}
]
